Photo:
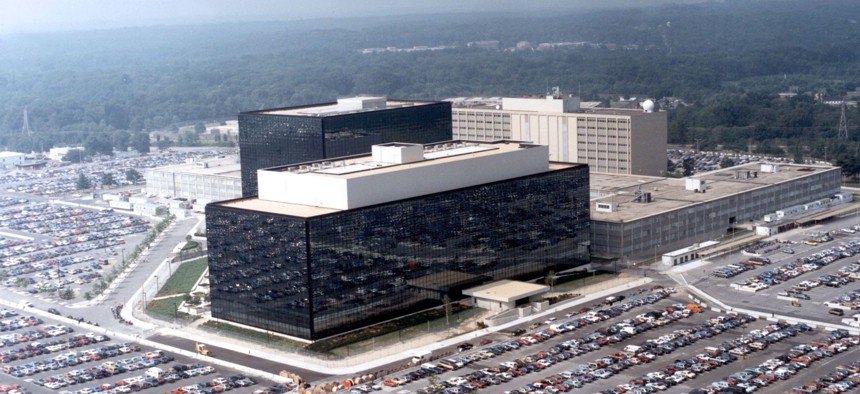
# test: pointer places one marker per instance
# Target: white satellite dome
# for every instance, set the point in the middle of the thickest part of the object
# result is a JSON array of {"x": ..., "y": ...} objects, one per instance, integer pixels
[{"x": 648, "y": 106}]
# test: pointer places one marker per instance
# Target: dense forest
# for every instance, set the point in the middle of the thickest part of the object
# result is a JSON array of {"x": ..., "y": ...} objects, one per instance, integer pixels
[{"x": 725, "y": 61}]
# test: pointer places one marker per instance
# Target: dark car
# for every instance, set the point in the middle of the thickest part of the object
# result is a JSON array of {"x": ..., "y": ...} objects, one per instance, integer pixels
[{"x": 54, "y": 311}]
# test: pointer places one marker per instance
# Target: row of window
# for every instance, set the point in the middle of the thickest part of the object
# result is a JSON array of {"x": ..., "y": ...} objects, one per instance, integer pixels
[
  {"x": 602, "y": 120},
  {"x": 604, "y": 158}
]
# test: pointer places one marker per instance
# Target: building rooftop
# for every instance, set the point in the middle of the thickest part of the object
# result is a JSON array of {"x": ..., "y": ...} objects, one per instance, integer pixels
[
  {"x": 392, "y": 172},
  {"x": 667, "y": 194},
  {"x": 570, "y": 106},
  {"x": 344, "y": 106},
  {"x": 226, "y": 166},
  {"x": 506, "y": 290}
]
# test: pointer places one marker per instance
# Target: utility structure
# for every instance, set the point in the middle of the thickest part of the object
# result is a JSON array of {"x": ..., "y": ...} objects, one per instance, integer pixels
[
  {"x": 843, "y": 123},
  {"x": 25, "y": 129}
]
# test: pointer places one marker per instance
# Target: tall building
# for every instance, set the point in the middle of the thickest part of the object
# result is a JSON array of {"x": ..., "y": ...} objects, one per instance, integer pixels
[
  {"x": 614, "y": 141},
  {"x": 277, "y": 137},
  {"x": 330, "y": 246}
]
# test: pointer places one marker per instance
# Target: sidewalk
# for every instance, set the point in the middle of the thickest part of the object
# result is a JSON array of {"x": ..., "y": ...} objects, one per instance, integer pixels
[{"x": 377, "y": 358}]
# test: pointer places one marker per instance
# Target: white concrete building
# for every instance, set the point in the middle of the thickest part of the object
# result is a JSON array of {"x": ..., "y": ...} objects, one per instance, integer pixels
[
  {"x": 212, "y": 180},
  {"x": 397, "y": 171},
  {"x": 9, "y": 160},
  {"x": 505, "y": 294}
]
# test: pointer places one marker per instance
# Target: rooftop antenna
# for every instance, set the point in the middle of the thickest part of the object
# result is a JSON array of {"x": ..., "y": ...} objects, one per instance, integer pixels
[
  {"x": 843, "y": 123},
  {"x": 25, "y": 129}
]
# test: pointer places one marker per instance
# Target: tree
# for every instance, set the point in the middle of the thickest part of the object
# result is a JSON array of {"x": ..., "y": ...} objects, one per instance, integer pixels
[
  {"x": 74, "y": 156},
  {"x": 550, "y": 279},
  {"x": 140, "y": 142},
  {"x": 798, "y": 154},
  {"x": 83, "y": 182},
  {"x": 188, "y": 138},
  {"x": 96, "y": 144},
  {"x": 163, "y": 144},
  {"x": 727, "y": 162},
  {"x": 689, "y": 165},
  {"x": 447, "y": 301},
  {"x": 200, "y": 128},
  {"x": 433, "y": 381},
  {"x": 132, "y": 175},
  {"x": 107, "y": 179},
  {"x": 120, "y": 140},
  {"x": 67, "y": 294}
]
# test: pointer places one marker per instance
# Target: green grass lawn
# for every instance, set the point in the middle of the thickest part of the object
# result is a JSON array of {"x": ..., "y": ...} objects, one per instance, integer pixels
[
  {"x": 166, "y": 307},
  {"x": 184, "y": 278}
]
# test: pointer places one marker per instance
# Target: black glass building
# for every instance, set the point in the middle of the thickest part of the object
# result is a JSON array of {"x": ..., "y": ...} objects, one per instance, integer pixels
[
  {"x": 323, "y": 274},
  {"x": 276, "y": 137}
]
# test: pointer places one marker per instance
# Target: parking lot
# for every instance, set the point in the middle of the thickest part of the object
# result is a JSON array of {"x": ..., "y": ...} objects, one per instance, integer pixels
[
  {"x": 59, "y": 179},
  {"x": 49, "y": 247},
  {"x": 60, "y": 250},
  {"x": 803, "y": 279},
  {"x": 53, "y": 357},
  {"x": 649, "y": 342}
]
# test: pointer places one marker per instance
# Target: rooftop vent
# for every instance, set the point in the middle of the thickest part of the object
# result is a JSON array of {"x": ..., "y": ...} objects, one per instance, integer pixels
[
  {"x": 605, "y": 207},
  {"x": 769, "y": 167},
  {"x": 398, "y": 153},
  {"x": 696, "y": 185}
]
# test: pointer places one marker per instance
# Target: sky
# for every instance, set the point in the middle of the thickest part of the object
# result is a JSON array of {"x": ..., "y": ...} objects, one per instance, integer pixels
[{"x": 18, "y": 16}]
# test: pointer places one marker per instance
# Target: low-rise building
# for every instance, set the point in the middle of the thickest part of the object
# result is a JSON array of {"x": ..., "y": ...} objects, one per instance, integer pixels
[
  {"x": 212, "y": 179},
  {"x": 643, "y": 217}
]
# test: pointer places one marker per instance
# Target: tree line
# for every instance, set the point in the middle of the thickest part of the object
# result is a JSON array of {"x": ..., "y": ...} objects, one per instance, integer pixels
[{"x": 725, "y": 60}]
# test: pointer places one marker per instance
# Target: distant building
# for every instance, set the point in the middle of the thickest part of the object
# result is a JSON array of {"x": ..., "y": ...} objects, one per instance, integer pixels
[
  {"x": 9, "y": 160},
  {"x": 210, "y": 179},
  {"x": 334, "y": 245},
  {"x": 614, "y": 141},
  {"x": 277, "y": 137},
  {"x": 486, "y": 44}
]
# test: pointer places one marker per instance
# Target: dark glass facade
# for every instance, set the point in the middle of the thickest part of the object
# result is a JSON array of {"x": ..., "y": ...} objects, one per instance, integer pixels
[
  {"x": 324, "y": 275},
  {"x": 272, "y": 140}
]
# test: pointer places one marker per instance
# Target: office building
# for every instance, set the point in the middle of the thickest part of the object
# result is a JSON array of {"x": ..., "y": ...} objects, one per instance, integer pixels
[
  {"x": 331, "y": 246},
  {"x": 206, "y": 179},
  {"x": 276, "y": 137},
  {"x": 642, "y": 217},
  {"x": 614, "y": 141}
]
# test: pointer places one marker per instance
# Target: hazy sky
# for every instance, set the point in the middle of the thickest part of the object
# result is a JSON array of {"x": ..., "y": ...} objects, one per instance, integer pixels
[{"x": 58, "y": 15}]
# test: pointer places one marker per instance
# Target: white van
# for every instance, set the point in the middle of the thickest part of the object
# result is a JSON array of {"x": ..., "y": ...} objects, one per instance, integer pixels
[
  {"x": 419, "y": 357},
  {"x": 154, "y": 372},
  {"x": 634, "y": 349}
]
